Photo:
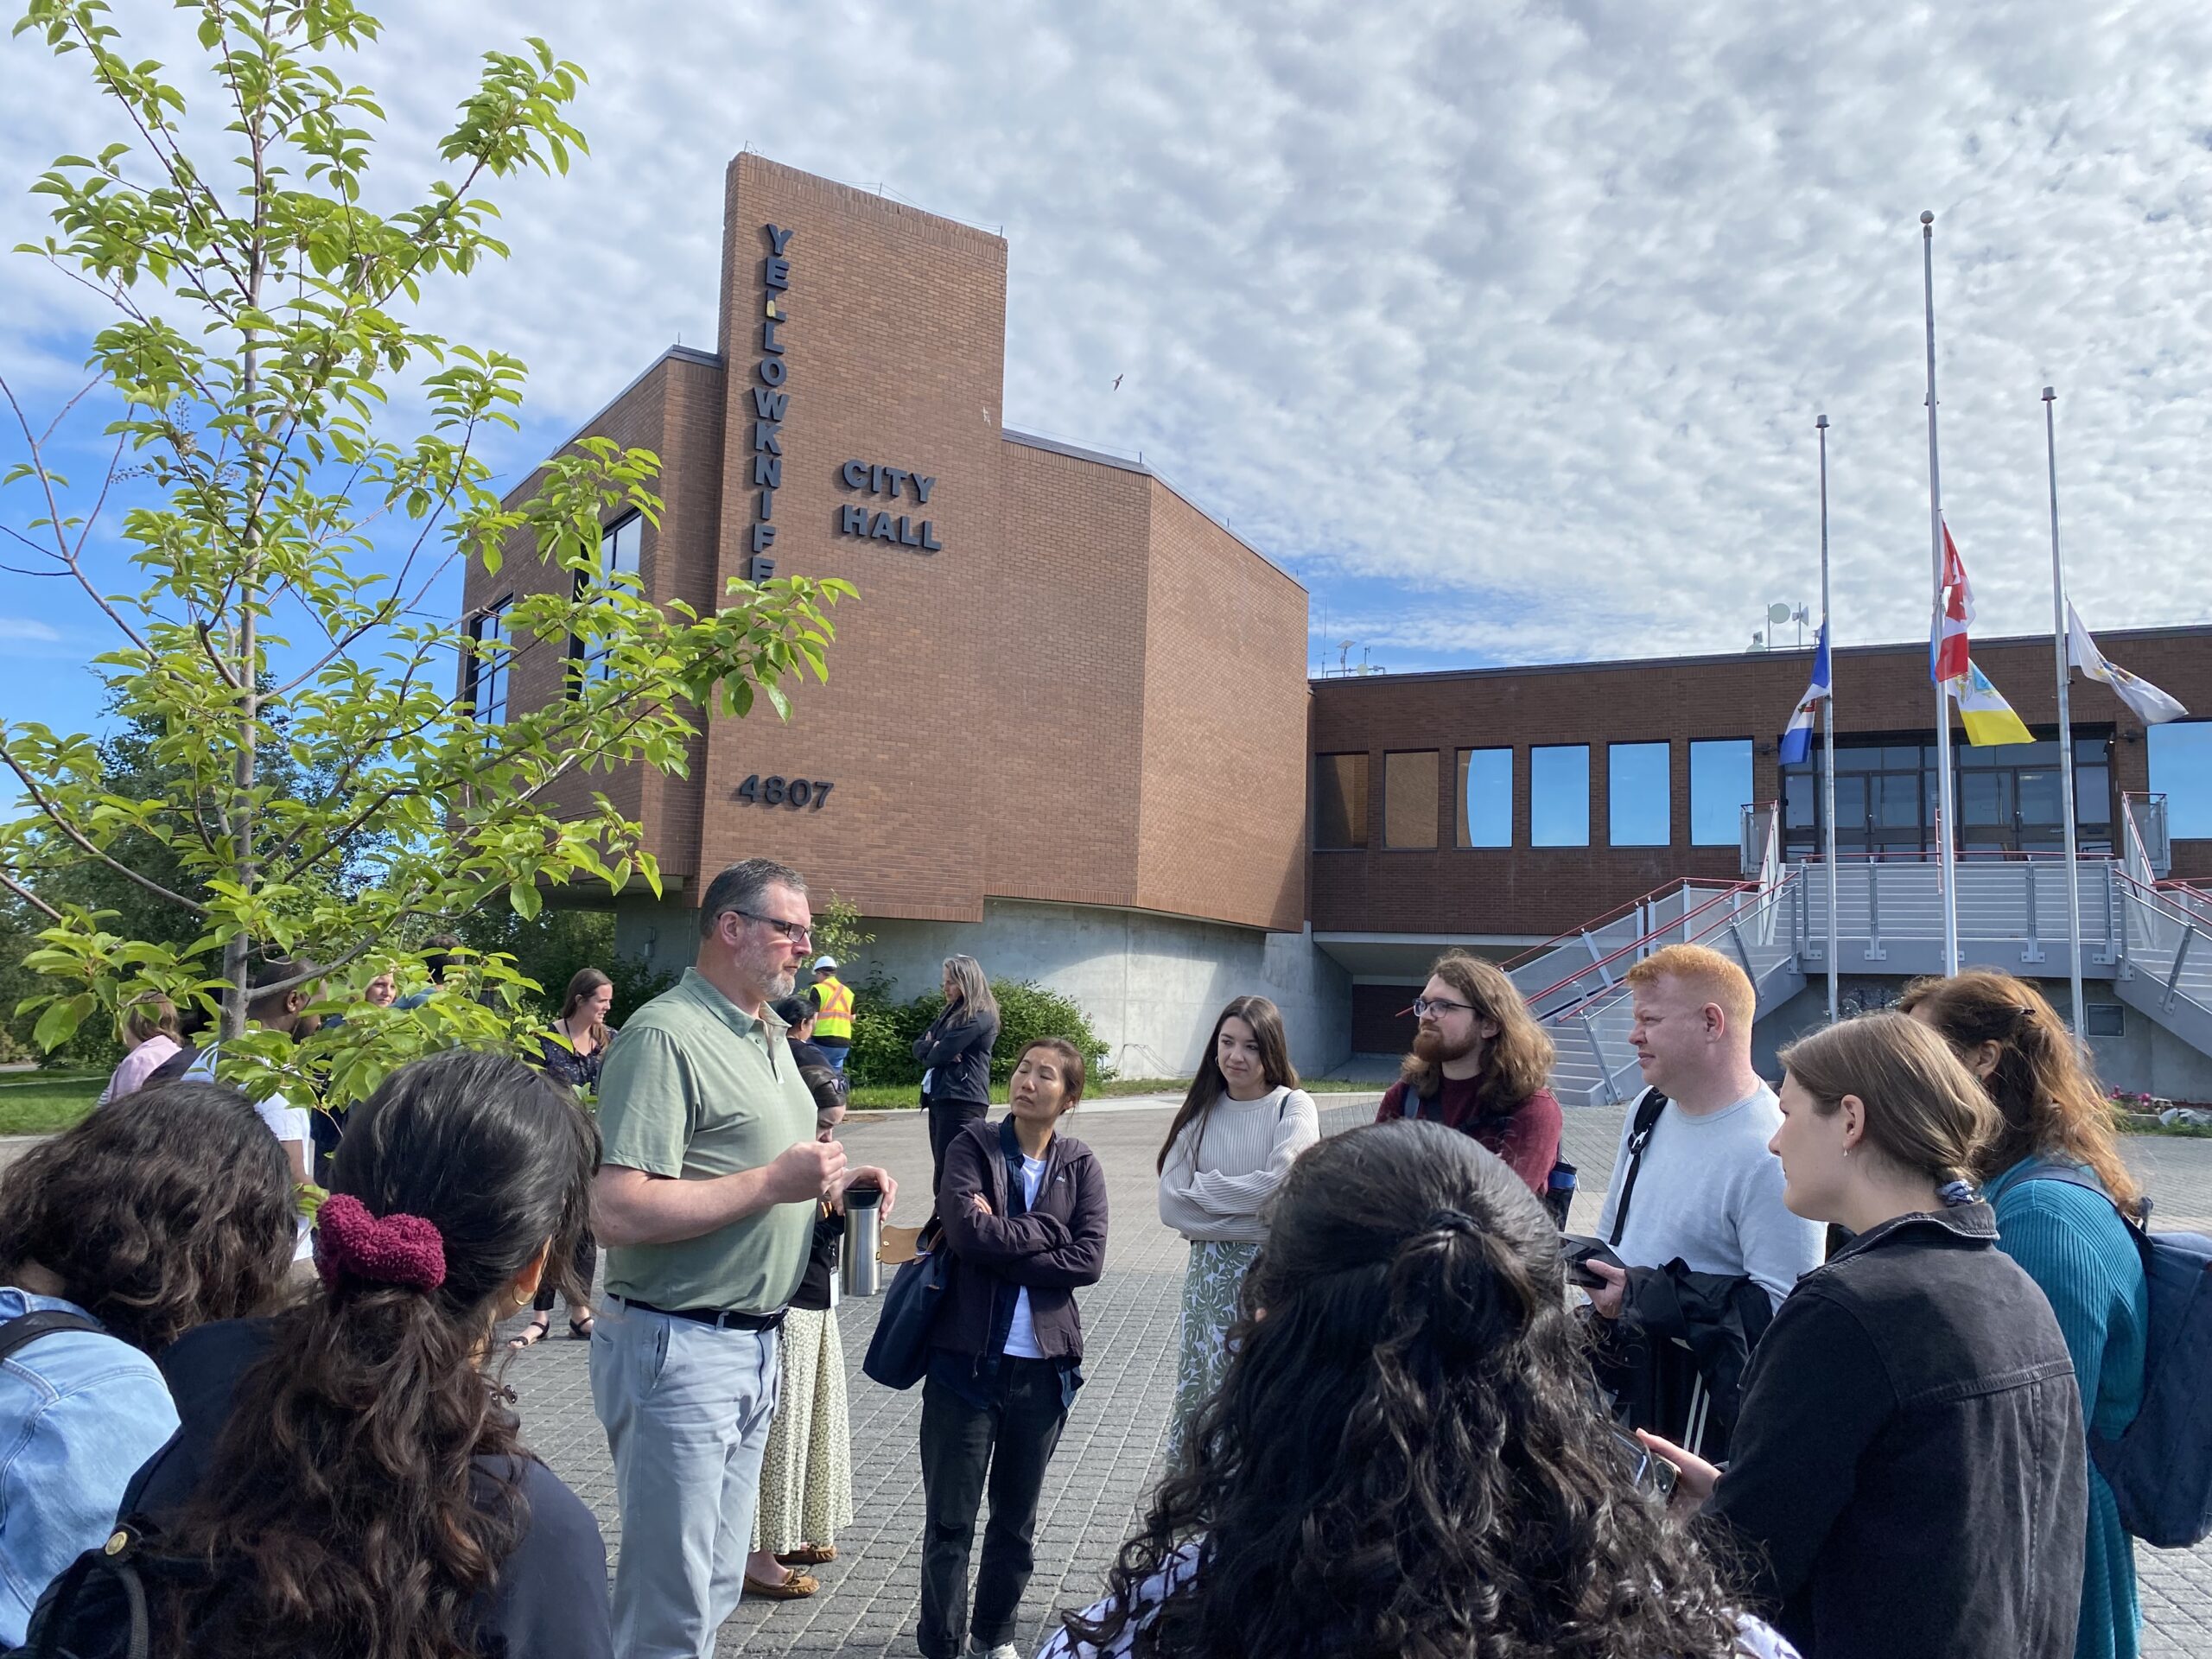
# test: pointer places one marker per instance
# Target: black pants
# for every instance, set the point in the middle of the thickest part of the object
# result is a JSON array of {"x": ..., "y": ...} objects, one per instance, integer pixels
[
  {"x": 1014, "y": 1439},
  {"x": 947, "y": 1119},
  {"x": 585, "y": 1264}
]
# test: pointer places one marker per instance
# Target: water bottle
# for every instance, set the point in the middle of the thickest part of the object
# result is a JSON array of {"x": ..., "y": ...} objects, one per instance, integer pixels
[
  {"x": 863, "y": 1274},
  {"x": 1558, "y": 1194}
]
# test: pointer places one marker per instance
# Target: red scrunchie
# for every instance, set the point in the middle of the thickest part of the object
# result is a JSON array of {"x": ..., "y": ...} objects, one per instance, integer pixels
[{"x": 395, "y": 1249}]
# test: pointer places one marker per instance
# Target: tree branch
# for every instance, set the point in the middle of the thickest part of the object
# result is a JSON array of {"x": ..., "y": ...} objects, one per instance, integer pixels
[
  {"x": 53, "y": 817},
  {"x": 30, "y": 898}
]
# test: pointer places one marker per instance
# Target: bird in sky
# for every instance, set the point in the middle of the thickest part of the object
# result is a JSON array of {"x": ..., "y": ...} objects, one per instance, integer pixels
[{"x": 1117, "y": 382}]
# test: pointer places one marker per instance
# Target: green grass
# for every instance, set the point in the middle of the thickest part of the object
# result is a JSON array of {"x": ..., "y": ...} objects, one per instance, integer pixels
[
  {"x": 45, "y": 1102},
  {"x": 881, "y": 1096}
]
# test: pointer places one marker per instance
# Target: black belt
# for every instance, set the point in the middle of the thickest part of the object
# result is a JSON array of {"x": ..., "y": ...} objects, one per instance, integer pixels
[{"x": 722, "y": 1318}]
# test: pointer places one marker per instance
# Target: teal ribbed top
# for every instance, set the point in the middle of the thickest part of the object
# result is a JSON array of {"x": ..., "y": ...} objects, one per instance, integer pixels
[{"x": 2075, "y": 1247}]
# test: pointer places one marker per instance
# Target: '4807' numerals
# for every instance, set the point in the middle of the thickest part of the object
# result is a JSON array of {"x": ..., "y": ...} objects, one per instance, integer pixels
[{"x": 776, "y": 790}]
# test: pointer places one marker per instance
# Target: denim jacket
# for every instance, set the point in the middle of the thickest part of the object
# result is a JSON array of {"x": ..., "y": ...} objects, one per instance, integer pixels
[{"x": 79, "y": 1411}]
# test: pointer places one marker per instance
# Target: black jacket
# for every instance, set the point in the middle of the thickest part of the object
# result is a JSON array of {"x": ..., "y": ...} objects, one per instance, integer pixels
[
  {"x": 1679, "y": 1328},
  {"x": 1047, "y": 1251},
  {"x": 1910, "y": 1460},
  {"x": 959, "y": 1050}
]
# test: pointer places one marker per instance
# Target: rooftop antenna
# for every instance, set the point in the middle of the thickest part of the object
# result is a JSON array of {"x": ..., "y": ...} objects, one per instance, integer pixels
[{"x": 1343, "y": 651}]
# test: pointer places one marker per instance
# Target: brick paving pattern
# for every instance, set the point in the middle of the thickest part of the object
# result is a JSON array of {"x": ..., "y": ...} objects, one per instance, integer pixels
[{"x": 870, "y": 1595}]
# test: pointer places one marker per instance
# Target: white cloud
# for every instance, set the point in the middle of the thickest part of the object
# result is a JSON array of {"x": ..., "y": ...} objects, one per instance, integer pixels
[
  {"x": 25, "y": 630},
  {"x": 1505, "y": 331}
]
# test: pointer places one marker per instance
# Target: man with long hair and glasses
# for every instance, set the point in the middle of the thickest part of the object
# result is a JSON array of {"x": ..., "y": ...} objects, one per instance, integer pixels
[
  {"x": 706, "y": 1204},
  {"x": 1480, "y": 1064}
]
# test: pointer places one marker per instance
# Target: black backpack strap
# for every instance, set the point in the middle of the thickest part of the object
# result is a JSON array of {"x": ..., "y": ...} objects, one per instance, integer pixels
[
  {"x": 27, "y": 1328},
  {"x": 1649, "y": 1106}
]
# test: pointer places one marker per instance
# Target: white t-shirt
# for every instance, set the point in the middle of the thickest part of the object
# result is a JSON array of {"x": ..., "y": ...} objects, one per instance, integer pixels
[
  {"x": 1710, "y": 1192},
  {"x": 1754, "y": 1640},
  {"x": 1022, "y": 1335},
  {"x": 287, "y": 1122}
]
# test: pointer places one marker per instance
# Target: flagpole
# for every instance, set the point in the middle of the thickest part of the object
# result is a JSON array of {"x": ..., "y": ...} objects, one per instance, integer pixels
[
  {"x": 1947, "y": 862},
  {"x": 1827, "y": 724},
  {"x": 2065, "y": 715}
]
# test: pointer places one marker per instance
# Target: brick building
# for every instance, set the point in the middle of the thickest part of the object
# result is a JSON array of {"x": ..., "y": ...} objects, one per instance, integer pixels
[{"x": 1068, "y": 729}]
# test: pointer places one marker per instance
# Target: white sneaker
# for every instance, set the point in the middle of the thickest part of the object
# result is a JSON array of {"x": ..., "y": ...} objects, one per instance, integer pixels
[{"x": 1004, "y": 1651}]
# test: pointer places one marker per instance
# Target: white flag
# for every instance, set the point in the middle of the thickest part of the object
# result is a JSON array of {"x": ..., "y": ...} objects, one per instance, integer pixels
[{"x": 2150, "y": 704}]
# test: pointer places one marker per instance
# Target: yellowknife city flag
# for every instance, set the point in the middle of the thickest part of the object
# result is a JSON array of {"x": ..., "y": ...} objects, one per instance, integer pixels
[{"x": 1989, "y": 719}]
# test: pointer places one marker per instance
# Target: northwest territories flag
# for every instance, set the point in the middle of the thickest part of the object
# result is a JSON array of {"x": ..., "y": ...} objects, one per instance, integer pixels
[{"x": 1797, "y": 737}]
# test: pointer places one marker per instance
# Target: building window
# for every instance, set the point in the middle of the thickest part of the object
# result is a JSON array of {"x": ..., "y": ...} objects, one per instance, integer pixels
[
  {"x": 619, "y": 545},
  {"x": 1339, "y": 802},
  {"x": 1639, "y": 795},
  {"x": 1720, "y": 787},
  {"x": 1409, "y": 798},
  {"x": 2104, "y": 1019},
  {"x": 484, "y": 671},
  {"x": 2181, "y": 770},
  {"x": 1486, "y": 798},
  {"x": 1559, "y": 795}
]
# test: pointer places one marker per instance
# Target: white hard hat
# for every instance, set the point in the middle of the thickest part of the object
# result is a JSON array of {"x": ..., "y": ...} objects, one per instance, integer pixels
[{"x": 823, "y": 964}]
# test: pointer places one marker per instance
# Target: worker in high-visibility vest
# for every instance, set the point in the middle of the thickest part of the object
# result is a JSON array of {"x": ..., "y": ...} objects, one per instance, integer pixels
[{"x": 833, "y": 1026}]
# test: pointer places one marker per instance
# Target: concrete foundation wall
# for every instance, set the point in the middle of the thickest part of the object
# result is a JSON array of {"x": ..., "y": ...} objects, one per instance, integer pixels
[
  {"x": 2145, "y": 1058},
  {"x": 1150, "y": 984}
]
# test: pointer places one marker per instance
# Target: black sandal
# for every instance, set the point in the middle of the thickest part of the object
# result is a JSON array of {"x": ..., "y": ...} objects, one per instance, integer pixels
[
  {"x": 533, "y": 1333},
  {"x": 580, "y": 1330}
]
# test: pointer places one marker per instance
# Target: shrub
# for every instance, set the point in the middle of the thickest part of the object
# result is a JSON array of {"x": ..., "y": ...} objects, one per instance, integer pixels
[{"x": 884, "y": 1032}]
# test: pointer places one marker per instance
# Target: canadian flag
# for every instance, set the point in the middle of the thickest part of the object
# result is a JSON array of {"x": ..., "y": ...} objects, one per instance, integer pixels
[{"x": 1950, "y": 652}]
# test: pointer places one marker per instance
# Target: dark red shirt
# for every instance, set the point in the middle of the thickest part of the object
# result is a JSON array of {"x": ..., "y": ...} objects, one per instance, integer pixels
[{"x": 1528, "y": 1139}]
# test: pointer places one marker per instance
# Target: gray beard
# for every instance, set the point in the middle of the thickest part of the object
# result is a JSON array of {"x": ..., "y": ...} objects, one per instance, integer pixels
[{"x": 782, "y": 986}]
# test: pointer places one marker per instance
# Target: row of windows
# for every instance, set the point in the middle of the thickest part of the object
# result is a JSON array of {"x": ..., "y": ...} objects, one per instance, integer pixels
[
  {"x": 2181, "y": 770},
  {"x": 1639, "y": 796},
  {"x": 486, "y": 674}
]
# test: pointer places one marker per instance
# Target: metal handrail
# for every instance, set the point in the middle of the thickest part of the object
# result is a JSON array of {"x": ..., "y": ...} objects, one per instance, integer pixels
[
  {"x": 1604, "y": 918},
  {"x": 1734, "y": 918},
  {"x": 1642, "y": 939}
]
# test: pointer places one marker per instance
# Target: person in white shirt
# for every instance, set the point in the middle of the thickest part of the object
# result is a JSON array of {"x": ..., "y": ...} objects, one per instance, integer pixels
[
  {"x": 1702, "y": 1188},
  {"x": 283, "y": 990},
  {"x": 1241, "y": 1126}
]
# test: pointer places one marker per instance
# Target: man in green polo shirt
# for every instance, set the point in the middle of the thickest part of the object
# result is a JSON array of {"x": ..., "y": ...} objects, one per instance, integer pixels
[{"x": 706, "y": 1202}]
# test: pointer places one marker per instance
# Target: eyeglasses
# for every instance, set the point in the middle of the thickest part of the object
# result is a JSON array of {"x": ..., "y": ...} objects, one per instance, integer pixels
[
  {"x": 797, "y": 933},
  {"x": 1426, "y": 1006}
]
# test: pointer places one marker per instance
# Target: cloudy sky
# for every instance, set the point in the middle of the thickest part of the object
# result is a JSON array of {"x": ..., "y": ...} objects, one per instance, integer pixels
[{"x": 1503, "y": 328}]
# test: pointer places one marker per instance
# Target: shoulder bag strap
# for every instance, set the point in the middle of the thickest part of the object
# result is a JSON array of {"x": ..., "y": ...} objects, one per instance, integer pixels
[
  {"x": 27, "y": 1328},
  {"x": 1649, "y": 1106}
]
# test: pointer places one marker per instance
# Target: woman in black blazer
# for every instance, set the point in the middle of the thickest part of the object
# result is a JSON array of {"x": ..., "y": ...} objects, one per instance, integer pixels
[{"x": 956, "y": 1050}]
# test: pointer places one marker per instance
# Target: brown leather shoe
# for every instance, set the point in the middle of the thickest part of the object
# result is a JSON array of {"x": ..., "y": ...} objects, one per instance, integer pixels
[
  {"x": 796, "y": 1586},
  {"x": 809, "y": 1555}
]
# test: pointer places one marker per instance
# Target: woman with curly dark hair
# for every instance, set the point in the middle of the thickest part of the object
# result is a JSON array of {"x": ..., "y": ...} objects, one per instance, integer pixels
[
  {"x": 1406, "y": 1456},
  {"x": 168, "y": 1207},
  {"x": 348, "y": 1481}
]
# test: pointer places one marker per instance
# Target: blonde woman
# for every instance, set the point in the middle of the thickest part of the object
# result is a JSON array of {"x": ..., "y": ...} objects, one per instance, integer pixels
[
  {"x": 1908, "y": 1472},
  {"x": 956, "y": 1052},
  {"x": 1241, "y": 1127}
]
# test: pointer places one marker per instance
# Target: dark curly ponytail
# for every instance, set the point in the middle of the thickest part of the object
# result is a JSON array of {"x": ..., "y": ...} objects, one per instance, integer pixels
[
  {"x": 344, "y": 1512},
  {"x": 1406, "y": 1456}
]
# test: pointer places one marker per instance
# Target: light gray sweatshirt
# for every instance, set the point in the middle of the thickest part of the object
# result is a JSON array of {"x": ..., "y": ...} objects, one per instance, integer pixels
[{"x": 1227, "y": 1163}]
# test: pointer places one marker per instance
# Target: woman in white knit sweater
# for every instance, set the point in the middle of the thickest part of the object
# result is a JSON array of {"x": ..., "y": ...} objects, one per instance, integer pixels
[{"x": 1241, "y": 1127}]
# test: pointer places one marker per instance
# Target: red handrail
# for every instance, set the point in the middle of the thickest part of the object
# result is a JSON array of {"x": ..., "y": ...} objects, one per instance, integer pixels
[
  {"x": 1733, "y": 888},
  {"x": 1768, "y": 895},
  {"x": 1573, "y": 935}
]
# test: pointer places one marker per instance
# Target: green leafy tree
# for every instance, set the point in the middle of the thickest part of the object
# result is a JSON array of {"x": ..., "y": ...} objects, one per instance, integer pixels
[
  {"x": 286, "y": 526},
  {"x": 838, "y": 934}
]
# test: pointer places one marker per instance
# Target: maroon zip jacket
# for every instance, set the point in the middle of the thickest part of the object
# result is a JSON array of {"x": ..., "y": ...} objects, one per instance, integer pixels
[
  {"x": 1528, "y": 1138},
  {"x": 1048, "y": 1251}
]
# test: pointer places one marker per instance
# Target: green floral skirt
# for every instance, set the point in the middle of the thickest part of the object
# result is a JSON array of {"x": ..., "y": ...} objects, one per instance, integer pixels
[{"x": 1212, "y": 1288}]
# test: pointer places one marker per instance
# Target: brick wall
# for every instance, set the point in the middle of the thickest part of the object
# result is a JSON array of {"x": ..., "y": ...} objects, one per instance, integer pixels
[
  {"x": 1224, "y": 706},
  {"x": 1541, "y": 891}
]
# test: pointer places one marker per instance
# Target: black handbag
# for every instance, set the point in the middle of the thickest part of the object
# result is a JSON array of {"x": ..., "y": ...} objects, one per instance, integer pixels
[{"x": 899, "y": 1352}]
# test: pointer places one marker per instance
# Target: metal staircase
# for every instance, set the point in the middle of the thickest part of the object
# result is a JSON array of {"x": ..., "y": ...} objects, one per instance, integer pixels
[{"x": 2150, "y": 935}]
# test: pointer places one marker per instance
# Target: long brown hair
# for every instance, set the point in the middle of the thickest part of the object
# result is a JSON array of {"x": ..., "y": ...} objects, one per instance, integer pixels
[
  {"x": 584, "y": 986},
  {"x": 1209, "y": 1085},
  {"x": 1926, "y": 1114},
  {"x": 1516, "y": 1062},
  {"x": 2050, "y": 1101},
  {"x": 343, "y": 1512},
  {"x": 1405, "y": 1456},
  {"x": 166, "y": 1209}
]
